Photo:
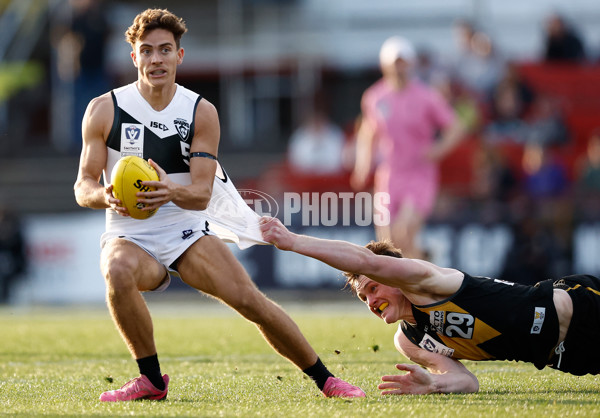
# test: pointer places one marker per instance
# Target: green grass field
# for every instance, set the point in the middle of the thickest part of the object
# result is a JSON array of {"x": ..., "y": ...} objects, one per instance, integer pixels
[{"x": 58, "y": 361}]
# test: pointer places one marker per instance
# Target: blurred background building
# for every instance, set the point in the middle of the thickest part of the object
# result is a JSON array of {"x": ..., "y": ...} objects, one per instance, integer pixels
[{"x": 523, "y": 76}]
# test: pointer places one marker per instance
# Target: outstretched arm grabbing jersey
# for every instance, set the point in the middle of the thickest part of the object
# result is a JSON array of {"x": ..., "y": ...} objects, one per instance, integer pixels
[
  {"x": 447, "y": 315},
  {"x": 399, "y": 281}
]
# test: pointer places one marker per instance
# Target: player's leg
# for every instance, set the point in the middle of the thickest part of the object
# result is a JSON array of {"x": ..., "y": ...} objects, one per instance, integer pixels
[
  {"x": 211, "y": 267},
  {"x": 127, "y": 270},
  {"x": 405, "y": 228},
  {"x": 383, "y": 231}
]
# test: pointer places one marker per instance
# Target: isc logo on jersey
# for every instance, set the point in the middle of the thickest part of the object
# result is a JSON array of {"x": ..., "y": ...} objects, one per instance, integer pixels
[{"x": 158, "y": 125}]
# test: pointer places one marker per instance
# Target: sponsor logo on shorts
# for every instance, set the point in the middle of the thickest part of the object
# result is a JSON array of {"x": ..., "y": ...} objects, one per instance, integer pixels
[
  {"x": 188, "y": 233},
  {"x": 538, "y": 320}
]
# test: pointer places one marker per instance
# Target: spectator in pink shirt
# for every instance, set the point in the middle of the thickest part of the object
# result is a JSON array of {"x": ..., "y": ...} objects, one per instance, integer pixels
[{"x": 401, "y": 120}]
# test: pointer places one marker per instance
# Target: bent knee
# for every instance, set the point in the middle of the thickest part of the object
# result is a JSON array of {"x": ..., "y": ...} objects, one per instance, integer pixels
[
  {"x": 125, "y": 265},
  {"x": 119, "y": 273}
]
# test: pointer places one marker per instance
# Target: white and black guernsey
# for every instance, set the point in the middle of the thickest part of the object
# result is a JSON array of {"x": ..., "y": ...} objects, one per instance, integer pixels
[{"x": 165, "y": 136}]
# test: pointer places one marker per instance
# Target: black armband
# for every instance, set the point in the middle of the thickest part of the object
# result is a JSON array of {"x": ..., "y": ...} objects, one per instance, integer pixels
[{"x": 202, "y": 154}]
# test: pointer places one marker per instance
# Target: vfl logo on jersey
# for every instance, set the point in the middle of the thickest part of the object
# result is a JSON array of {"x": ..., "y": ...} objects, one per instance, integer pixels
[
  {"x": 132, "y": 133},
  {"x": 433, "y": 346},
  {"x": 132, "y": 139},
  {"x": 452, "y": 324},
  {"x": 183, "y": 128},
  {"x": 538, "y": 320}
]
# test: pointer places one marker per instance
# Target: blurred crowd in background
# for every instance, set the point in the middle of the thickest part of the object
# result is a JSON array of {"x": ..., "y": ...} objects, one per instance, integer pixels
[{"x": 531, "y": 158}]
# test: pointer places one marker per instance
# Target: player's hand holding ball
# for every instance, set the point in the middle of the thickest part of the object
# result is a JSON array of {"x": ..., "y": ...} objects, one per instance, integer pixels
[
  {"x": 160, "y": 191},
  {"x": 129, "y": 177}
]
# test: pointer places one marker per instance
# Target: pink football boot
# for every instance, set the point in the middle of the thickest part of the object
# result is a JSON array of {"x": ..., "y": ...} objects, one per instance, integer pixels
[
  {"x": 137, "y": 389},
  {"x": 336, "y": 387}
]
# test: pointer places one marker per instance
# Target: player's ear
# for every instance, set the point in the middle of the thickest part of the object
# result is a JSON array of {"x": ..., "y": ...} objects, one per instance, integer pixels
[
  {"x": 134, "y": 58},
  {"x": 180, "y": 54}
]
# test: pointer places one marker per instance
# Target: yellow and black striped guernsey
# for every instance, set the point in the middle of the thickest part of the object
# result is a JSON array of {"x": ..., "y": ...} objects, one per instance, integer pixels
[{"x": 489, "y": 319}]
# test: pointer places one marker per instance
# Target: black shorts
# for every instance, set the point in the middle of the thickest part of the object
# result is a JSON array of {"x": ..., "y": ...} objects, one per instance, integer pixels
[{"x": 581, "y": 344}]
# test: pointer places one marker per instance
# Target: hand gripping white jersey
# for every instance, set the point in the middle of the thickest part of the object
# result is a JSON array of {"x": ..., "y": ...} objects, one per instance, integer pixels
[{"x": 165, "y": 136}]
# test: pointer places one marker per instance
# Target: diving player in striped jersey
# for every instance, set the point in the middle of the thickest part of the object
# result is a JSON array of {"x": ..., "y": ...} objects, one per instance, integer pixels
[{"x": 448, "y": 315}]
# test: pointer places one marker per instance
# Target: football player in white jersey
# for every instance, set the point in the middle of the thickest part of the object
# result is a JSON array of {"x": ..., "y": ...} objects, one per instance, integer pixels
[{"x": 139, "y": 255}]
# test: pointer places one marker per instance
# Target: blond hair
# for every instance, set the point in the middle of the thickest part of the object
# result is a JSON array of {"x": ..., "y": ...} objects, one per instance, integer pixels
[{"x": 384, "y": 247}]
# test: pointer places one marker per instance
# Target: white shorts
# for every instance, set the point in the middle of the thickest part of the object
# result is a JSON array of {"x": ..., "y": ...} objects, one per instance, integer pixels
[
  {"x": 172, "y": 230},
  {"x": 165, "y": 243}
]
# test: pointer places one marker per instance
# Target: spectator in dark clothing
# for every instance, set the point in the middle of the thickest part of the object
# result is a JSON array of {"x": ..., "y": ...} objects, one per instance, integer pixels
[
  {"x": 562, "y": 42},
  {"x": 532, "y": 256},
  {"x": 546, "y": 122},
  {"x": 507, "y": 124},
  {"x": 12, "y": 252},
  {"x": 588, "y": 168},
  {"x": 545, "y": 177},
  {"x": 82, "y": 37}
]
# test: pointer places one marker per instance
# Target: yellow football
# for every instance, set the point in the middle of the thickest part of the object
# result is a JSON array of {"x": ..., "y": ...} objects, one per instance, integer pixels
[{"x": 127, "y": 177}]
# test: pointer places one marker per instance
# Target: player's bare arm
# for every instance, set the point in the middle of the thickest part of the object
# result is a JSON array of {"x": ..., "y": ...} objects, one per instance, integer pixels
[
  {"x": 365, "y": 139},
  {"x": 451, "y": 137},
  {"x": 196, "y": 195},
  {"x": 345, "y": 255},
  {"x": 441, "y": 374},
  {"x": 410, "y": 275},
  {"x": 97, "y": 122}
]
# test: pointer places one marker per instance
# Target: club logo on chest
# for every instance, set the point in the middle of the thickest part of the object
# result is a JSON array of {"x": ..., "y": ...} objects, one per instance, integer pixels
[{"x": 183, "y": 128}]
